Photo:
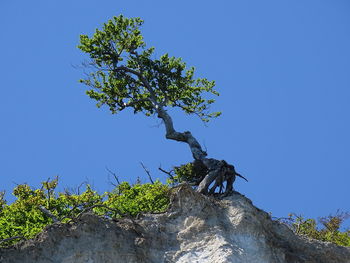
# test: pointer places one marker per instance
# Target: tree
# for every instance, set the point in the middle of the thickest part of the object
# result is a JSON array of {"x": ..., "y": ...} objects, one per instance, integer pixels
[{"x": 125, "y": 75}]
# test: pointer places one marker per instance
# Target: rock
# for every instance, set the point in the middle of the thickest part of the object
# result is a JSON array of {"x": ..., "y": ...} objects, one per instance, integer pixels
[{"x": 196, "y": 228}]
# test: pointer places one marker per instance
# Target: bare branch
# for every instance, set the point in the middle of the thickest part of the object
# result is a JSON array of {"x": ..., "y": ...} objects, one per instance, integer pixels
[
  {"x": 11, "y": 238},
  {"x": 129, "y": 70},
  {"x": 148, "y": 173},
  {"x": 115, "y": 177},
  {"x": 78, "y": 188},
  {"x": 237, "y": 174},
  {"x": 48, "y": 213},
  {"x": 167, "y": 172},
  {"x": 102, "y": 206}
]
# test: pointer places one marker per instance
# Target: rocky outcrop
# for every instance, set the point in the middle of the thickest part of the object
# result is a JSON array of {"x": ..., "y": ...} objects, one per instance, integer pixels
[{"x": 196, "y": 228}]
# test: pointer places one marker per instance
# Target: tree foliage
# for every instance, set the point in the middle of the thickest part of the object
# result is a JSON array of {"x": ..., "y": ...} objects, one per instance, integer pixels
[
  {"x": 326, "y": 229},
  {"x": 23, "y": 219},
  {"x": 191, "y": 173},
  {"x": 125, "y": 74}
]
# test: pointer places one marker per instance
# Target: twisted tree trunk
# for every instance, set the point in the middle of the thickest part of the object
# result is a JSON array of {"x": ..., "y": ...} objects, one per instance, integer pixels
[{"x": 218, "y": 172}]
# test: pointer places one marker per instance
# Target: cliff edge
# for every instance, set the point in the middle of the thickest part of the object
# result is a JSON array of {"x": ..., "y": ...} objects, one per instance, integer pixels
[{"x": 196, "y": 228}]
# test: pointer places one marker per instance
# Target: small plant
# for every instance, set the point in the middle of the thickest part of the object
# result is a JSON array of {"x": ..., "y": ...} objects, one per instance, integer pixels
[
  {"x": 326, "y": 229},
  {"x": 191, "y": 173}
]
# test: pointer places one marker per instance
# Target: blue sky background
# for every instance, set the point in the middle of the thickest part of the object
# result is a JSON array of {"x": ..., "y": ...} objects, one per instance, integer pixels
[{"x": 282, "y": 68}]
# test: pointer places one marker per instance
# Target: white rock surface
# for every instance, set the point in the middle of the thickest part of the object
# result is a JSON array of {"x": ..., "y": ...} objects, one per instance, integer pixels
[{"x": 195, "y": 229}]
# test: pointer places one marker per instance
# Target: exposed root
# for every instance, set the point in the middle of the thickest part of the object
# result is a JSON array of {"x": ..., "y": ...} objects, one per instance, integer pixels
[{"x": 220, "y": 173}]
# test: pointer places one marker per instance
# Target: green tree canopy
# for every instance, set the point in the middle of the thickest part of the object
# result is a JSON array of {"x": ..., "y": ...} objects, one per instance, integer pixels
[{"x": 125, "y": 74}]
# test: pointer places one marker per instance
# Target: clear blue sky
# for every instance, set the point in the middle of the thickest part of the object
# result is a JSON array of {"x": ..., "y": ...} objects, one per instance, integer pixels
[{"x": 282, "y": 68}]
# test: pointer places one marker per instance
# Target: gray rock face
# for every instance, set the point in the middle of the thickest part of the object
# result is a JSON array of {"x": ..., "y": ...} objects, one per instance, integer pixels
[{"x": 195, "y": 229}]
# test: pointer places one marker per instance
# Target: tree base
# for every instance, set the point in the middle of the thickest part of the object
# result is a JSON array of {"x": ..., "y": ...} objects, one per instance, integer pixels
[{"x": 215, "y": 175}]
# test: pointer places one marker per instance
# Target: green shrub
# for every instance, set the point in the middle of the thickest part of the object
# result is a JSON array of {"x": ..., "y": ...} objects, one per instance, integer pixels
[
  {"x": 132, "y": 200},
  {"x": 25, "y": 218},
  {"x": 325, "y": 229},
  {"x": 193, "y": 173}
]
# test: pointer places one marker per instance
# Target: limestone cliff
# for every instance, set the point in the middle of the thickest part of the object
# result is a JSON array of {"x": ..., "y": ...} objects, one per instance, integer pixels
[{"x": 195, "y": 229}]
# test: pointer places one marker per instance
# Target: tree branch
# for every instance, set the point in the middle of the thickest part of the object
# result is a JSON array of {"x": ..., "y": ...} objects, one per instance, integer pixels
[
  {"x": 101, "y": 206},
  {"x": 48, "y": 213},
  {"x": 171, "y": 133},
  {"x": 115, "y": 177},
  {"x": 148, "y": 173},
  {"x": 11, "y": 238},
  {"x": 167, "y": 172}
]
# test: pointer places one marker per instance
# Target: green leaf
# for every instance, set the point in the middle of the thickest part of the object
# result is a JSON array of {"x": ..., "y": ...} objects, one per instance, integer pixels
[{"x": 119, "y": 43}]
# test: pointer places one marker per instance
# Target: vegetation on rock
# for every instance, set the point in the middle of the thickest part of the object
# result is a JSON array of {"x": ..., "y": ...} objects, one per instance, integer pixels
[
  {"x": 327, "y": 229},
  {"x": 36, "y": 208}
]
